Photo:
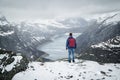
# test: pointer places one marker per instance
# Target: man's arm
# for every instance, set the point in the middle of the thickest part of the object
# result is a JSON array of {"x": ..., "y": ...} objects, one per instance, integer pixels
[
  {"x": 75, "y": 44},
  {"x": 66, "y": 44}
]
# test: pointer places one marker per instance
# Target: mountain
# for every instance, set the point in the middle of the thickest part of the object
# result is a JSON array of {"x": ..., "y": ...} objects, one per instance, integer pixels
[
  {"x": 5, "y": 28},
  {"x": 12, "y": 39},
  {"x": 99, "y": 34},
  {"x": 76, "y": 24},
  {"x": 7, "y": 35},
  {"x": 3, "y": 20}
]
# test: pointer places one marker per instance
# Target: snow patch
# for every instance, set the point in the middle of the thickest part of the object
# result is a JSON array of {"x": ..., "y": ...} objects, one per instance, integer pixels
[
  {"x": 39, "y": 38},
  {"x": 12, "y": 65},
  {"x": 3, "y": 55},
  {"x": 6, "y": 33},
  {"x": 111, "y": 43}
]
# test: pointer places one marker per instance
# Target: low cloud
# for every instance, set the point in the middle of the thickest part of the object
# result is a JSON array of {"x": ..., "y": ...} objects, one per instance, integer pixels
[{"x": 47, "y": 9}]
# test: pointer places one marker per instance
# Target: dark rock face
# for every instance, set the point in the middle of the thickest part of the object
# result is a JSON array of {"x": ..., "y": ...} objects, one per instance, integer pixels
[
  {"x": 96, "y": 34},
  {"x": 8, "y": 59}
]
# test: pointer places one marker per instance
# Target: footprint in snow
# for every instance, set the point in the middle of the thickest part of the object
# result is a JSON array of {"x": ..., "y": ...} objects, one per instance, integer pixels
[
  {"x": 69, "y": 76},
  {"x": 110, "y": 70},
  {"x": 104, "y": 73},
  {"x": 42, "y": 64}
]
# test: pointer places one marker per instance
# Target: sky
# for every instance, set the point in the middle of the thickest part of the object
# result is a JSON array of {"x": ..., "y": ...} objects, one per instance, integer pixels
[{"x": 18, "y": 10}]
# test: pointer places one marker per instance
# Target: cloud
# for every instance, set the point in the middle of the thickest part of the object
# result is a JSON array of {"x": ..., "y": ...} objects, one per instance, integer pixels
[{"x": 45, "y": 9}]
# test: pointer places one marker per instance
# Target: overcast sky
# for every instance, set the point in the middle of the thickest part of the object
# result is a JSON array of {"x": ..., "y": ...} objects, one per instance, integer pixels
[{"x": 16, "y": 10}]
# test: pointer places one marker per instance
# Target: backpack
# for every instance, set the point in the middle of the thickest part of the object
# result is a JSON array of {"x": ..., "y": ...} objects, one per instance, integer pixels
[{"x": 72, "y": 42}]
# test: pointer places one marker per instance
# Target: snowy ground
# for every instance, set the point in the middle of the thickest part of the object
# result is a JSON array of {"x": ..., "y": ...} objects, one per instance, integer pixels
[{"x": 62, "y": 70}]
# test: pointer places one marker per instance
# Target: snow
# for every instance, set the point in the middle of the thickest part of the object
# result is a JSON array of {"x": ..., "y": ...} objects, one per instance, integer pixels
[
  {"x": 111, "y": 45},
  {"x": 108, "y": 43},
  {"x": 3, "y": 20},
  {"x": 6, "y": 33},
  {"x": 100, "y": 45},
  {"x": 39, "y": 38},
  {"x": 62, "y": 70},
  {"x": 103, "y": 44},
  {"x": 45, "y": 25},
  {"x": 118, "y": 37},
  {"x": 12, "y": 65},
  {"x": 3, "y": 55},
  {"x": 3, "y": 23},
  {"x": 53, "y": 23},
  {"x": 106, "y": 15}
]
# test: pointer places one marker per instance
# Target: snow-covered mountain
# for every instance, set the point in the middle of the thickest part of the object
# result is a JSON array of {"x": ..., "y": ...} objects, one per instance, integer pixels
[
  {"x": 7, "y": 34},
  {"x": 104, "y": 16},
  {"x": 3, "y": 20},
  {"x": 12, "y": 38},
  {"x": 5, "y": 28},
  {"x": 100, "y": 42}
]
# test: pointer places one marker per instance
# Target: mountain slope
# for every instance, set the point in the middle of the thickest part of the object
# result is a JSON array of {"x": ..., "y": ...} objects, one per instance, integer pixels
[
  {"x": 13, "y": 38},
  {"x": 99, "y": 33}
]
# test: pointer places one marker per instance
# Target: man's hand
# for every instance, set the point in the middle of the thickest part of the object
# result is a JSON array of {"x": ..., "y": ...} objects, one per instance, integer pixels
[{"x": 66, "y": 48}]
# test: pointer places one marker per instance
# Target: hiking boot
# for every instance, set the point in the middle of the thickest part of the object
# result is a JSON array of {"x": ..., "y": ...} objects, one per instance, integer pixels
[
  {"x": 73, "y": 60},
  {"x": 69, "y": 61}
]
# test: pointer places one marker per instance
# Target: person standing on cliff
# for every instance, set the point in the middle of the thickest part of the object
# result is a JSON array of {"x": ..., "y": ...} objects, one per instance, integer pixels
[{"x": 71, "y": 46}]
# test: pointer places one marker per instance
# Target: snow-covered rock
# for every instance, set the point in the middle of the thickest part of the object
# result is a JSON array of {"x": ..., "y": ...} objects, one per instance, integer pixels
[
  {"x": 111, "y": 43},
  {"x": 10, "y": 64},
  {"x": 6, "y": 33}
]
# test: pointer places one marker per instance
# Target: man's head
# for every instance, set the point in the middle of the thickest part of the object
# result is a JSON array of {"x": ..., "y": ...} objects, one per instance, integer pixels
[{"x": 70, "y": 34}]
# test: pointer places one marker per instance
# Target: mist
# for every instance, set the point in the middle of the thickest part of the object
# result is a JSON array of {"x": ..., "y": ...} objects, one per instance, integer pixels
[{"x": 16, "y": 10}]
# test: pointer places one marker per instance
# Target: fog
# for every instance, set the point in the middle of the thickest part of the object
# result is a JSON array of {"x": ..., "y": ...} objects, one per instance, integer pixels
[{"x": 17, "y": 10}]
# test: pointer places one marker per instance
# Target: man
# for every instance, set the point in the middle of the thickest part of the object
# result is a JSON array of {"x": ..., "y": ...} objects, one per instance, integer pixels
[{"x": 71, "y": 46}]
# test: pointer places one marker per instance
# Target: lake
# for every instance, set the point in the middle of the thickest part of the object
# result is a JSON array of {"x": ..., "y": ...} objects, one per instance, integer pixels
[{"x": 57, "y": 48}]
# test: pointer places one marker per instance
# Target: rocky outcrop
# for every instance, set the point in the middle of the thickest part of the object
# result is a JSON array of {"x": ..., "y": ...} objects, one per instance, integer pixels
[{"x": 10, "y": 64}]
